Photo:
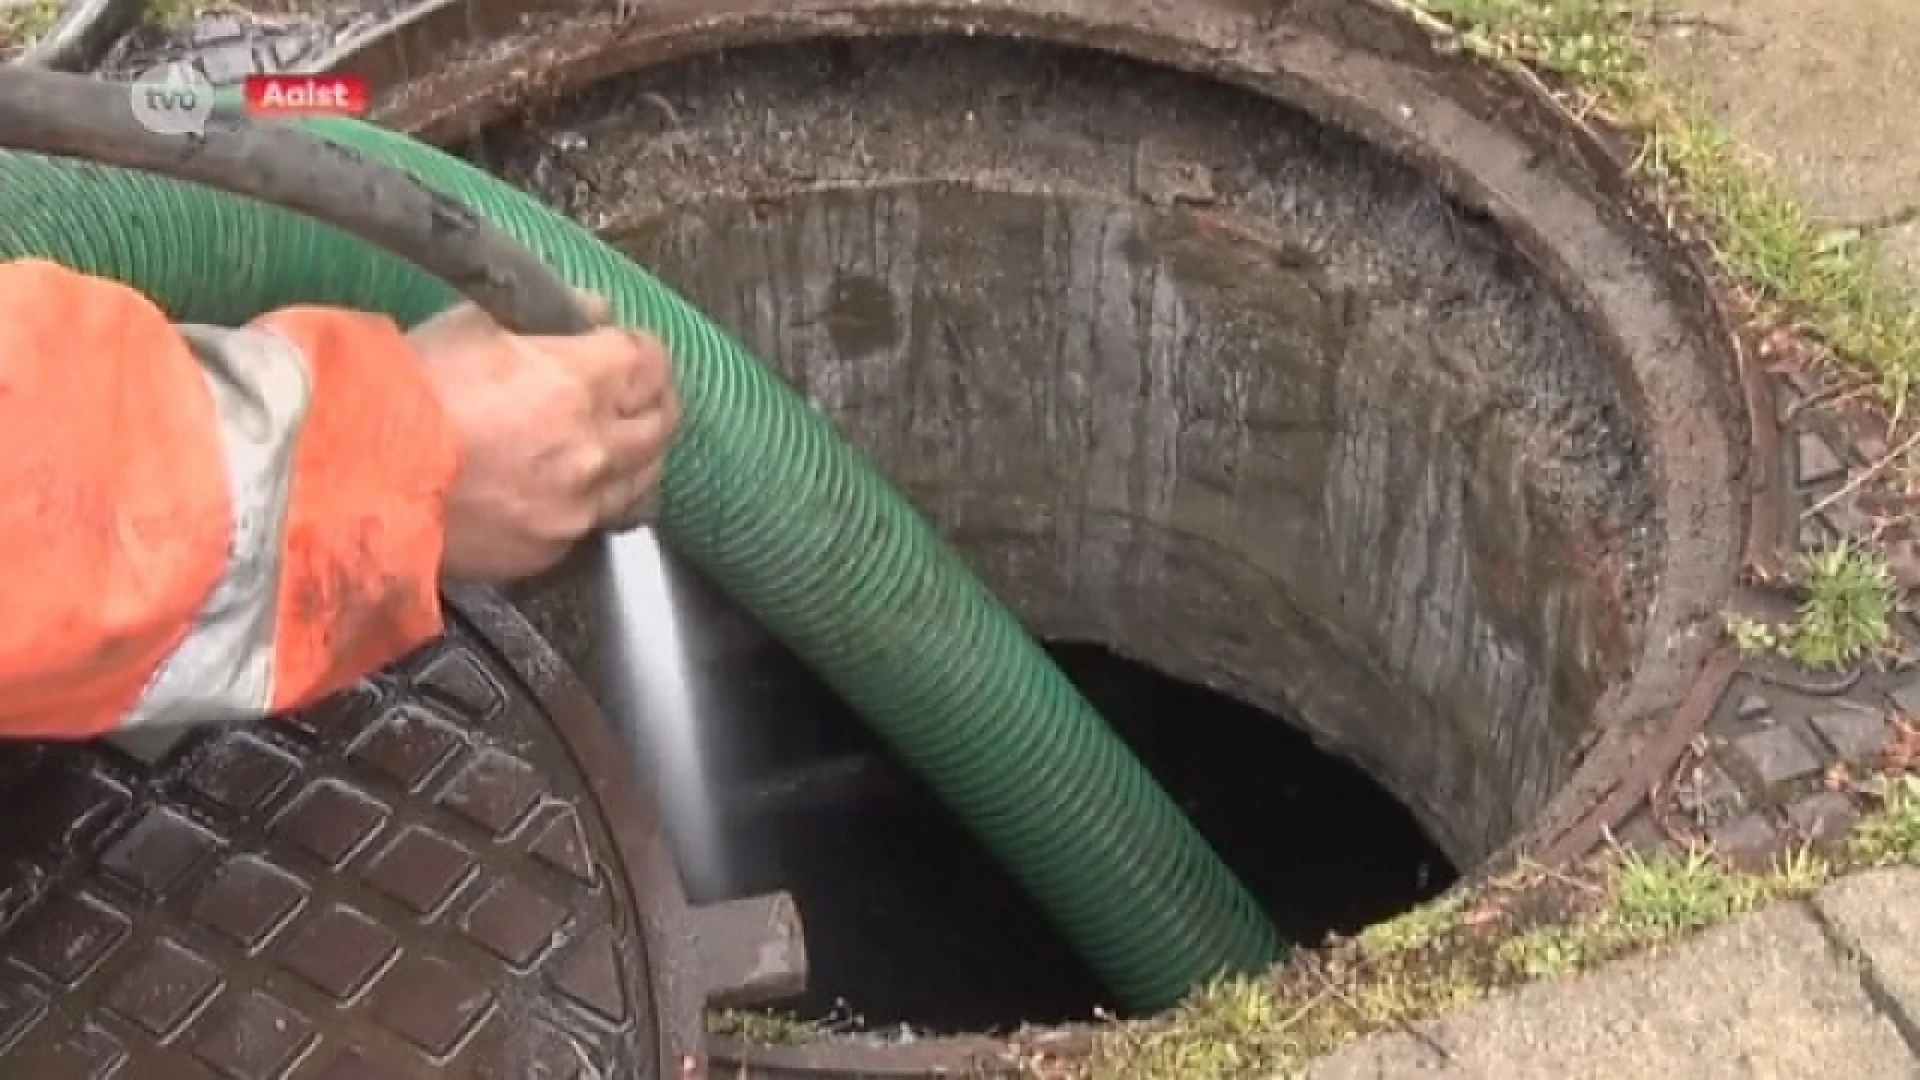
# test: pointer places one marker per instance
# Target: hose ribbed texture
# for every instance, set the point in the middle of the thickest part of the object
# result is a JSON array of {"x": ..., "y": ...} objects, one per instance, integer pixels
[{"x": 765, "y": 496}]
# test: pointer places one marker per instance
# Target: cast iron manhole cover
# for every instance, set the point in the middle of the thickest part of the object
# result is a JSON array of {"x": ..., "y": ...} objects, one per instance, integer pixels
[{"x": 413, "y": 879}]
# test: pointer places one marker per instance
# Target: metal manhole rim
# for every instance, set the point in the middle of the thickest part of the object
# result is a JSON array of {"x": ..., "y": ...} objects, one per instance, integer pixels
[
  {"x": 648, "y": 876},
  {"x": 1628, "y": 758}
]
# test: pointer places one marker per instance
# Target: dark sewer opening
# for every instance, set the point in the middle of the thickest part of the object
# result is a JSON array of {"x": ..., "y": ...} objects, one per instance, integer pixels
[{"x": 909, "y": 921}]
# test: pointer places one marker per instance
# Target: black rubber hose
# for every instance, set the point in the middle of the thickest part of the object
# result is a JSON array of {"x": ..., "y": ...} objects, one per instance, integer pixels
[{"x": 281, "y": 166}]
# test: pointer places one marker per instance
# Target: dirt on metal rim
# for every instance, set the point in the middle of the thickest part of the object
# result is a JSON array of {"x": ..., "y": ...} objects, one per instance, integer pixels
[{"x": 973, "y": 1057}]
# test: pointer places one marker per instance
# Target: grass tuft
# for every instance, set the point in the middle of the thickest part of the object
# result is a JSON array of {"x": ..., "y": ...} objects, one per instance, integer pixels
[
  {"x": 1414, "y": 929},
  {"x": 765, "y": 1027},
  {"x": 1844, "y": 617},
  {"x": 1890, "y": 837}
]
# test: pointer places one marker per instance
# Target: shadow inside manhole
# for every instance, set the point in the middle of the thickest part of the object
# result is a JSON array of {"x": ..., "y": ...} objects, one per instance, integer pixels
[{"x": 910, "y": 922}]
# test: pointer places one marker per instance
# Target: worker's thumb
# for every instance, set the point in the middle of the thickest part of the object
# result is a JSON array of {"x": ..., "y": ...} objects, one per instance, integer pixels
[{"x": 598, "y": 309}]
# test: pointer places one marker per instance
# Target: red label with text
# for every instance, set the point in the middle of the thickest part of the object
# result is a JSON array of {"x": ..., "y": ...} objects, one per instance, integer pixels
[{"x": 306, "y": 95}]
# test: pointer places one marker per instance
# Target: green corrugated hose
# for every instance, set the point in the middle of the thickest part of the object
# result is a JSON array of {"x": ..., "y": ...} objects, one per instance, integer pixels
[{"x": 765, "y": 496}]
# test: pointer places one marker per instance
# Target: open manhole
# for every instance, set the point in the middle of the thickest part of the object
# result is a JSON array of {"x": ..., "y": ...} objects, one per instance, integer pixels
[
  {"x": 1351, "y": 432},
  {"x": 1284, "y": 370}
]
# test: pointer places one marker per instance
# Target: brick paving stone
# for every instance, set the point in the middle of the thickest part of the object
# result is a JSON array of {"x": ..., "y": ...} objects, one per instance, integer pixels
[
  {"x": 1778, "y": 755},
  {"x": 1746, "y": 839},
  {"x": 1706, "y": 790},
  {"x": 1853, "y": 734},
  {"x": 1817, "y": 460},
  {"x": 1907, "y": 697},
  {"x": 1822, "y": 816}
]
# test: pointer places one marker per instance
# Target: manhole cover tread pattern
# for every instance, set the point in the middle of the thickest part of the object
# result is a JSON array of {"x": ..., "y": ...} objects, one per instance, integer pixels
[{"x": 398, "y": 883}]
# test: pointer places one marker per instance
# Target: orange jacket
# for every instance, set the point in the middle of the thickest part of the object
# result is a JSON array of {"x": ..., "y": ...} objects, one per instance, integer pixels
[{"x": 203, "y": 524}]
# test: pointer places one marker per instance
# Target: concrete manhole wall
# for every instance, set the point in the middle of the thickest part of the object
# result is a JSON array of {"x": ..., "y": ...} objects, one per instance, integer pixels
[
  {"x": 1343, "y": 380},
  {"x": 1323, "y": 444}
]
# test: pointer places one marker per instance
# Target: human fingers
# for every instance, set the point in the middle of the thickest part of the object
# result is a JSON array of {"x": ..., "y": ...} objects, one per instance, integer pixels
[
  {"x": 636, "y": 440},
  {"x": 636, "y": 451},
  {"x": 629, "y": 370}
]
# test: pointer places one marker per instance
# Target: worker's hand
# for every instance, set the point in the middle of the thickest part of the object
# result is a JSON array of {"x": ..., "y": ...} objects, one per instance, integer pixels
[{"x": 559, "y": 435}]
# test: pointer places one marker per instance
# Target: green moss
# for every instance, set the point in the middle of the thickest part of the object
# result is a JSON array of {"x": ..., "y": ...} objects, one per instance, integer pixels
[{"x": 20, "y": 23}]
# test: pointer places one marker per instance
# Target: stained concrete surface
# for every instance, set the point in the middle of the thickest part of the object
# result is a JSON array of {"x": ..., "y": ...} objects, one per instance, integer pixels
[
  {"x": 1824, "y": 92},
  {"x": 1770, "y": 997},
  {"x": 1869, "y": 916}
]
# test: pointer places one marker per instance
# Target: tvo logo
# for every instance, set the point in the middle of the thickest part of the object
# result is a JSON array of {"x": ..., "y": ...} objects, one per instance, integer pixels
[{"x": 172, "y": 100}]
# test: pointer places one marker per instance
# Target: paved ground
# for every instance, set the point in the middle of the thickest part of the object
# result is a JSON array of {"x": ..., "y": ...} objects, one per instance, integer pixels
[{"x": 1806, "y": 991}]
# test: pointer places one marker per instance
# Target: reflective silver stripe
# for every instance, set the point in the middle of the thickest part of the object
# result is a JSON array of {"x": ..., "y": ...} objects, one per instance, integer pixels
[{"x": 223, "y": 671}]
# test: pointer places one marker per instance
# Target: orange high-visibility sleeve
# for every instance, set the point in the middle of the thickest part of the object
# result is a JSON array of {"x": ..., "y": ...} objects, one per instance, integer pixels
[
  {"x": 367, "y": 517},
  {"x": 203, "y": 524}
]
